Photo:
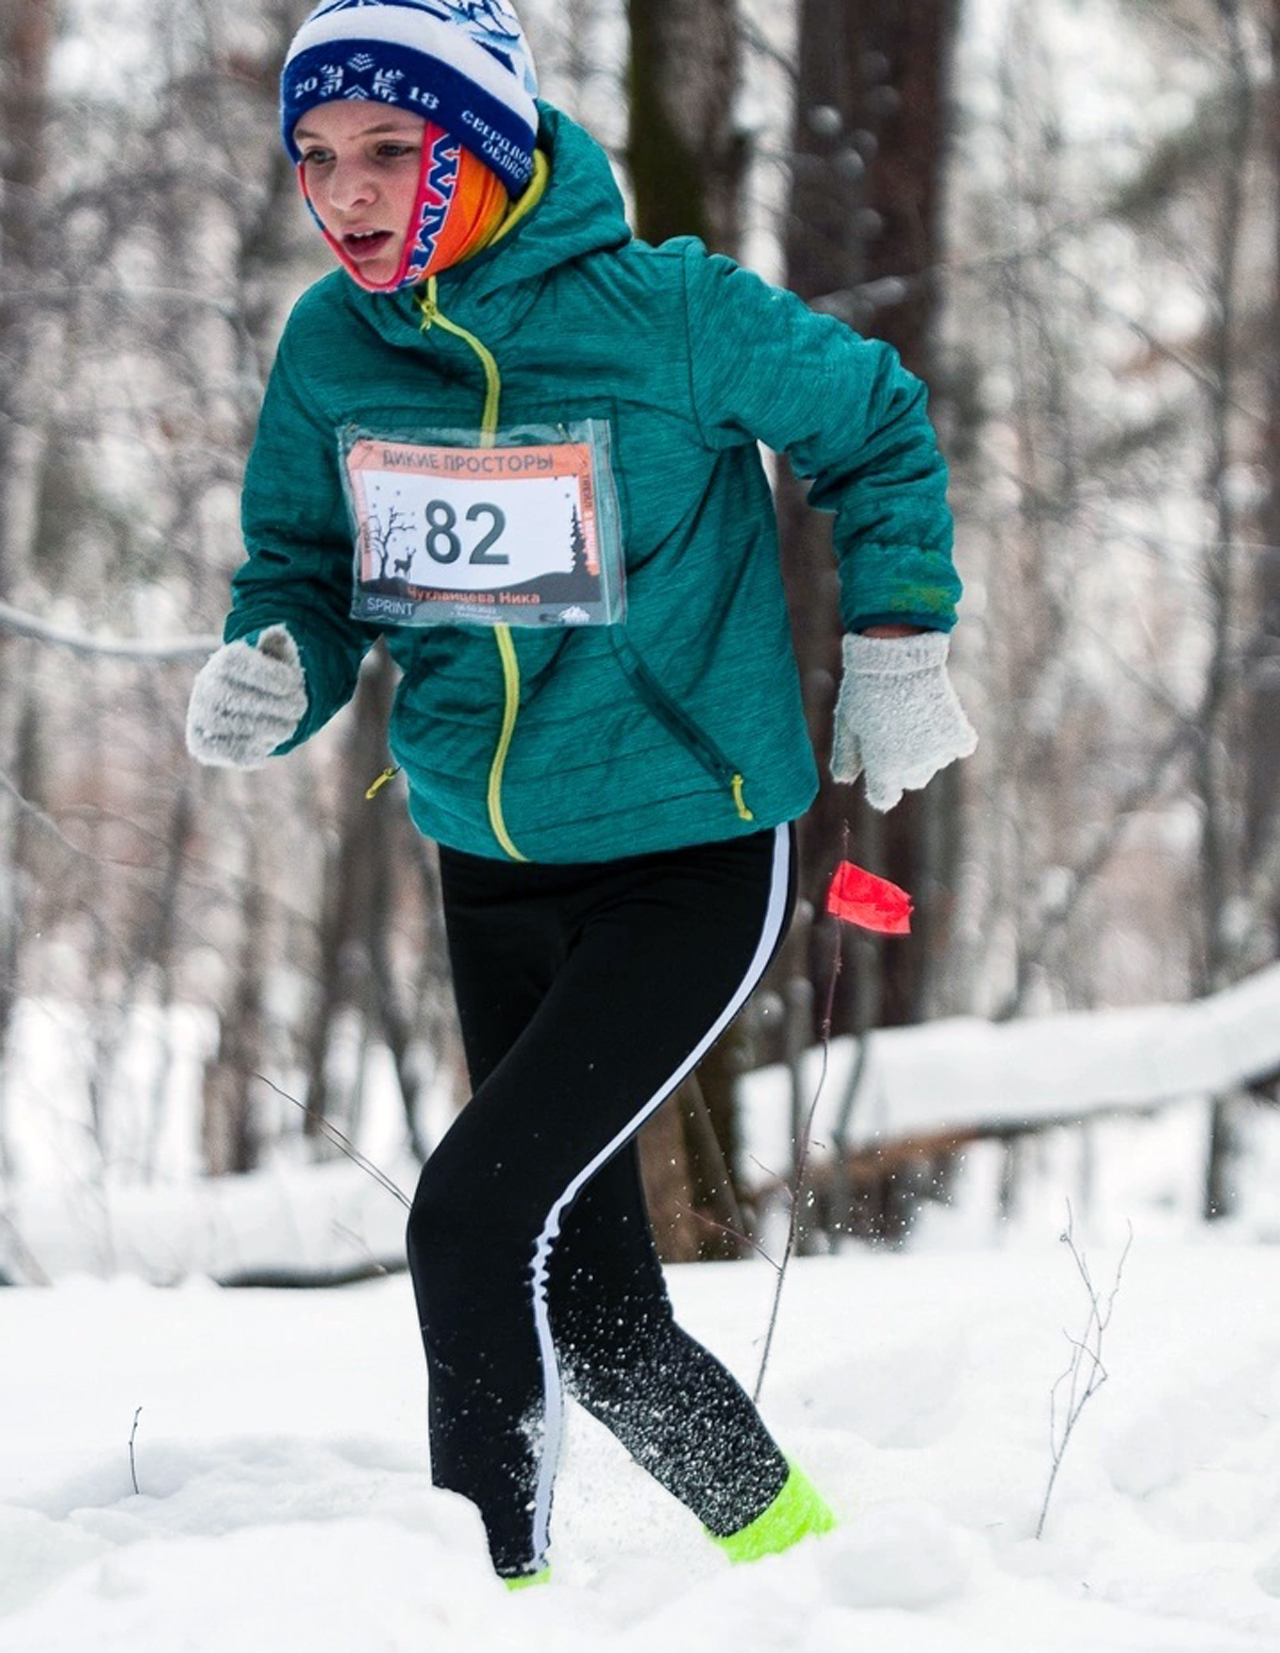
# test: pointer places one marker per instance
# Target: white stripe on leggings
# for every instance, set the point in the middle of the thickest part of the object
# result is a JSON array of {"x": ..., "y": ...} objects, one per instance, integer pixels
[{"x": 552, "y": 1390}]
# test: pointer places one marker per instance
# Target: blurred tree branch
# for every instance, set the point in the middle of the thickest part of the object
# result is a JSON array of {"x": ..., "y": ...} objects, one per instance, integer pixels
[{"x": 112, "y": 648}]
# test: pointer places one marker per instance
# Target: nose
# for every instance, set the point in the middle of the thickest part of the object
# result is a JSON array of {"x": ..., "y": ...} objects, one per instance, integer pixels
[{"x": 351, "y": 183}]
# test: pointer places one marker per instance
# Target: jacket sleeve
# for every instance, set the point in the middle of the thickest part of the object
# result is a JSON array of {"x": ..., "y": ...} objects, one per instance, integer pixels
[
  {"x": 852, "y": 421},
  {"x": 299, "y": 570}
]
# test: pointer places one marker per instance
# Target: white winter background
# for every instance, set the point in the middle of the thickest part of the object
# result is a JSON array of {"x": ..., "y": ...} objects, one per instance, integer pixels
[{"x": 189, "y": 1467}]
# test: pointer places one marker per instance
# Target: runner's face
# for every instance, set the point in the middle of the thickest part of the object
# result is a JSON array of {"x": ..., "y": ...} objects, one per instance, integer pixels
[{"x": 361, "y": 163}]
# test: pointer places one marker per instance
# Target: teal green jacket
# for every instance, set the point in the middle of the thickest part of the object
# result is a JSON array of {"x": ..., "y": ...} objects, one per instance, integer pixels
[{"x": 685, "y": 724}]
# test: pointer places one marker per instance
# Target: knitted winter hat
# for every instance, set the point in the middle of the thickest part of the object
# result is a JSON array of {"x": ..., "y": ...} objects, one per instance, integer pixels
[{"x": 463, "y": 65}]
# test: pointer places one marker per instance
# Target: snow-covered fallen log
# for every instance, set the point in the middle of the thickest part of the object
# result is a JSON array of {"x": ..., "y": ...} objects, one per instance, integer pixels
[{"x": 998, "y": 1078}]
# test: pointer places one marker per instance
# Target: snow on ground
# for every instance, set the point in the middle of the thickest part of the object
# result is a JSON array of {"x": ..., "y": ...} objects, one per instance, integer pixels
[{"x": 283, "y": 1496}]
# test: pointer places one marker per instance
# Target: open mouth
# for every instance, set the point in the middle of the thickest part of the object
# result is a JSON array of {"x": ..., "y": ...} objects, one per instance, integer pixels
[{"x": 360, "y": 245}]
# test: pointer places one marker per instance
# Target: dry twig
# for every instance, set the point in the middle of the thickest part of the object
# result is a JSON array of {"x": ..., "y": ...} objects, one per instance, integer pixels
[
  {"x": 1085, "y": 1374},
  {"x": 343, "y": 1143}
]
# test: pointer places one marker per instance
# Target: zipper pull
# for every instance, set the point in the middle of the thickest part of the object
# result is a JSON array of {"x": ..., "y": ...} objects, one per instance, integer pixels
[
  {"x": 426, "y": 302},
  {"x": 383, "y": 779}
]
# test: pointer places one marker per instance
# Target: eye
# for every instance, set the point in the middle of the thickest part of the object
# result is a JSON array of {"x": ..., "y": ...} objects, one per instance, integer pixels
[
  {"x": 316, "y": 157},
  {"x": 391, "y": 150}
]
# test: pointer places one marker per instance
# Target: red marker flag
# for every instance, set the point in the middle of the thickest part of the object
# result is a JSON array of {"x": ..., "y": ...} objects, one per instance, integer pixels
[{"x": 859, "y": 897}]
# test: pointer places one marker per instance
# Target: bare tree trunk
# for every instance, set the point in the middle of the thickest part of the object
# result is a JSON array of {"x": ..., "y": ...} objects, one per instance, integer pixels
[
  {"x": 355, "y": 899},
  {"x": 14, "y": 888},
  {"x": 27, "y": 31},
  {"x": 821, "y": 246},
  {"x": 664, "y": 1167},
  {"x": 862, "y": 239},
  {"x": 907, "y": 52},
  {"x": 160, "y": 944},
  {"x": 1262, "y": 747},
  {"x": 685, "y": 156},
  {"x": 686, "y": 161},
  {"x": 378, "y": 880},
  {"x": 1213, "y": 765},
  {"x": 231, "y": 1130}
]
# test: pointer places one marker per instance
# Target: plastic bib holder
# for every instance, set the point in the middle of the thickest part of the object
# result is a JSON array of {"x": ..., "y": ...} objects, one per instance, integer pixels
[{"x": 454, "y": 530}]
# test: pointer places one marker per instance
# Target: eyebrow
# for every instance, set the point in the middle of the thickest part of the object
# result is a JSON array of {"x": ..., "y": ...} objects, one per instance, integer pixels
[{"x": 364, "y": 132}]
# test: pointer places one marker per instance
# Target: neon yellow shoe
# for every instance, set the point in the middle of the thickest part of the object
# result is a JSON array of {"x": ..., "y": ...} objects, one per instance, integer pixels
[
  {"x": 522, "y": 1581},
  {"x": 798, "y": 1511}
]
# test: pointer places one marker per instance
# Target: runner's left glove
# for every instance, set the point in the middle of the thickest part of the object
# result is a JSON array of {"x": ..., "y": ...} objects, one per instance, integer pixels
[
  {"x": 897, "y": 715},
  {"x": 247, "y": 699}
]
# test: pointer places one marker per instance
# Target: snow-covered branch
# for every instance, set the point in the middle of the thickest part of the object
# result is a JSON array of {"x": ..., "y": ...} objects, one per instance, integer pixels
[{"x": 161, "y": 652}]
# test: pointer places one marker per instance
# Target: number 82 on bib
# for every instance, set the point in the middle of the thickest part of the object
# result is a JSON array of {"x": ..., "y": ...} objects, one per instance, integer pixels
[{"x": 524, "y": 532}]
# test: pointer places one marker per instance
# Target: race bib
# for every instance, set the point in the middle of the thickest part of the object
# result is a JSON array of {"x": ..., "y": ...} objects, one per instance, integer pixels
[{"x": 450, "y": 532}]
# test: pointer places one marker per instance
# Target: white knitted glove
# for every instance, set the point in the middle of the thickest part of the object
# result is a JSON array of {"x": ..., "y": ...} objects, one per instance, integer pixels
[
  {"x": 897, "y": 715},
  {"x": 247, "y": 699}
]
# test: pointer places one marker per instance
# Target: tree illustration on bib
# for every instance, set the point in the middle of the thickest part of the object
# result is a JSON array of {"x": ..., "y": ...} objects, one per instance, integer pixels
[
  {"x": 578, "y": 547},
  {"x": 379, "y": 537}
]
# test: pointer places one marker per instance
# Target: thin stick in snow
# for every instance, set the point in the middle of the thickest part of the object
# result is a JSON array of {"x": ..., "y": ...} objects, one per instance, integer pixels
[
  {"x": 344, "y": 1143},
  {"x": 854, "y": 896},
  {"x": 133, "y": 1435},
  {"x": 1085, "y": 1374},
  {"x": 802, "y": 1165},
  {"x": 727, "y": 1228}
]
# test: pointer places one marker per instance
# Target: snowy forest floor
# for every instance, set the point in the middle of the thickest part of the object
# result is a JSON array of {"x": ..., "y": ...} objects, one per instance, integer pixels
[{"x": 283, "y": 1496}]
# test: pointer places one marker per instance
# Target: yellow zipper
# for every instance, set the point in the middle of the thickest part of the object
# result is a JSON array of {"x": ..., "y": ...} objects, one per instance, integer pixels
[{"x": 432, "y": 317}]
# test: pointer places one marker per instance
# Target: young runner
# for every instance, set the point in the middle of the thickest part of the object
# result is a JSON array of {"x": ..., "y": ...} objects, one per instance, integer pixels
[{"x": 522, "y": 446}]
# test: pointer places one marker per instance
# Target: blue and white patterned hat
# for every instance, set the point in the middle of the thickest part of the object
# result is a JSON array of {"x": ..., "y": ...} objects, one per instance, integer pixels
[{"x": 462, "y": 64}]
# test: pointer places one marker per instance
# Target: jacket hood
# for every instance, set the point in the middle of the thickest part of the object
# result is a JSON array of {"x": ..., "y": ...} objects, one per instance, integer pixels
[{"x": 581, "y": 212}]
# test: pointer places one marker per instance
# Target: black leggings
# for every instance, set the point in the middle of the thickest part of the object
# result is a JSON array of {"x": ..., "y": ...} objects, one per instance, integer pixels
[{"x": 585, "y": 994}]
